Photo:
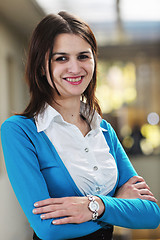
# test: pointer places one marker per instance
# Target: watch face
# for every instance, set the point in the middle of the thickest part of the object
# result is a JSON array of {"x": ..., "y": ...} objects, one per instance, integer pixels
[{"x": 94, "y": 206}]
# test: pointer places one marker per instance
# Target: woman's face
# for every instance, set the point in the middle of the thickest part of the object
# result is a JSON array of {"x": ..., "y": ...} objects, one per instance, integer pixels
[{"x": 72, "y": 65}]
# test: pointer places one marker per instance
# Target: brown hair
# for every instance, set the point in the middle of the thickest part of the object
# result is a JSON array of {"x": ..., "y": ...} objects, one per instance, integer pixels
[{"x": 42, "y": 41}]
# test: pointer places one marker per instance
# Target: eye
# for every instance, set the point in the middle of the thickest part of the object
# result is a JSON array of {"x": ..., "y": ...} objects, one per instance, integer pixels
[
  {"x": 61, "y": 59},
  {"x": 82, "y": 57}
]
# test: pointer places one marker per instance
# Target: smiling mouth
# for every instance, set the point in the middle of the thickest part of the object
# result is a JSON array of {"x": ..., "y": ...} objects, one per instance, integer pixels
[{"x": 74, "y": 79}]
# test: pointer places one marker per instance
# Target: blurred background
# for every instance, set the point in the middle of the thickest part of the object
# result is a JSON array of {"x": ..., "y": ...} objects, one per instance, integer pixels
[{"x": 128, "y": 35}]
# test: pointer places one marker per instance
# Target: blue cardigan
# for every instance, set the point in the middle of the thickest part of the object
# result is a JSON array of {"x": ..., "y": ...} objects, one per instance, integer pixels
[{"x": 36, "y": 172}]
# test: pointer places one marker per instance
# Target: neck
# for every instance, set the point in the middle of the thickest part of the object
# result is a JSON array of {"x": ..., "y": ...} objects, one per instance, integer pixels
[{"x": 69, "y": 109}]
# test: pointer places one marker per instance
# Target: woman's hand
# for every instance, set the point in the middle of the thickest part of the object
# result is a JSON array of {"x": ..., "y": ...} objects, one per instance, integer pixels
[
  {"x": 136, "y": 187},
  {"x": 69, "y": 209}
]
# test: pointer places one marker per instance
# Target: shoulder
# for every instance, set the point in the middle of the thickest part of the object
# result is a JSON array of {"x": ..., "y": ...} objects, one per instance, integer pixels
[
  {"x": 106, "y": 125},
  {"x": 17, "y": 122},
  {"x": 109, "y": 133}
]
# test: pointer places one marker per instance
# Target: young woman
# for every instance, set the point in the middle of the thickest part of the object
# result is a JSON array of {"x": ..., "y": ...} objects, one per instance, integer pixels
[{"x": 66, "y": 165}]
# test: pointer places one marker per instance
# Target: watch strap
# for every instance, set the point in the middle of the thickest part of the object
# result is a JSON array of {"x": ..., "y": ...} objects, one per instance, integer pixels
[{"x": 91, "y": 198}]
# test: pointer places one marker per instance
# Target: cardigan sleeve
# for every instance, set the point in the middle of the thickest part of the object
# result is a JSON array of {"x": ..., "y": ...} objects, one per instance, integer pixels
[
  {"x": 129, "y": 213},
  {"x": 29, "y": 184}
]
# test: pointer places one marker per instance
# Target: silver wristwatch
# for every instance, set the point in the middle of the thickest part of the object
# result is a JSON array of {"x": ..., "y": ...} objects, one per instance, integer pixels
[{"x": 93, "y": 207}]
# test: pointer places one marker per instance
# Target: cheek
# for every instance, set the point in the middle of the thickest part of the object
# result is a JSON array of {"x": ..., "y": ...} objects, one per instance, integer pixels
[
  {"x": 49, "y": 79},
  {"x": 48, "y": 75},
  {"x": 55, "y": 74},
  {"x": 90, "y": 68},
  {"x": 57, "y": 71}
]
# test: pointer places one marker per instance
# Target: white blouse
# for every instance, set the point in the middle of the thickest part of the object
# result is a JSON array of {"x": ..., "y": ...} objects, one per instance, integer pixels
[{"x": 87, "y": 159}]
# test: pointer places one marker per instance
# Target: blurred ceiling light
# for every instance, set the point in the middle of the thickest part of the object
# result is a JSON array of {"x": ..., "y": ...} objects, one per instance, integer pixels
[
  {"x": 90, "y": 10},
  {"x": 105, "y": 10},
  {"x": 128, "y": 142},
  {"x": 140, "y": 10},
  {"x": 152, "y": 134},
  {"x": 130, "y": 95},
  {"x": 153, "y": 118},
  {"x": 125, "y": 131},
  {"x": 146, "y": 147}
]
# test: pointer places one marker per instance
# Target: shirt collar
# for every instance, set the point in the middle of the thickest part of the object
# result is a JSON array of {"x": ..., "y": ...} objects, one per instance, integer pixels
[{"x": 44, "y": 119}]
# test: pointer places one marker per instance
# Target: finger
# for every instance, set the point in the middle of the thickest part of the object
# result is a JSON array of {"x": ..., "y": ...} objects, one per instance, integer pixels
[
  {"x": 47, "y": 213},
  {"x": 47, "y": 216},
  {"x": 135, "y": 179},
  {"x": 141, "y": 185},
  {"x": 148, "y": 197},
  {"x": 145, "y": 192},
  {"x": 65, "y": 220},
  {"x": 43, "y": 202},
  {"x": 70, "y": 219},
  {"x": 48, "y": 201},
  {"x": 46, "y": 209},
  {"x": 56, "y": 214},
  {"x": 63, "y": 213}
]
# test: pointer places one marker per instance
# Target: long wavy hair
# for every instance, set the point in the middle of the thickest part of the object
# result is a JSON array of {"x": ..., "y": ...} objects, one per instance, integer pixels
[{"x": 42, "y": 42}]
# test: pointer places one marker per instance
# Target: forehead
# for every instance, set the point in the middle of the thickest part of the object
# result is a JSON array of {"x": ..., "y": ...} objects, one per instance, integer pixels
[{"x": 70, "y": 42}]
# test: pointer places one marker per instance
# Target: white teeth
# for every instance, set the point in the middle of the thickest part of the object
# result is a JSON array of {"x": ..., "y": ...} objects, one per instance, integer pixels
[{"x": 73, "y": 79}]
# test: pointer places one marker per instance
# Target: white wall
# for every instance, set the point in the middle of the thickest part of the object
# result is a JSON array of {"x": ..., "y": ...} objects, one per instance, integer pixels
[{"x": 13, "y": 95}]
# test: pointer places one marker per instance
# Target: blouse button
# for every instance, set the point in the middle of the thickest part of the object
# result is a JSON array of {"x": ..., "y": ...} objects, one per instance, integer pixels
[
  {"x": 95, "y": 168},
  {"x": 86, "y": 150},
  {"x": 98, "y": 189}
]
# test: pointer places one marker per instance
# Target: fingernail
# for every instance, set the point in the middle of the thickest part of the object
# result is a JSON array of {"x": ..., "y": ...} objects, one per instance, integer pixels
[
  {"x": 42, "y": 216},
  {"x": 34, "y": 211},
  {"x": 53, "y": 222},
  {"x": 36, "y": 204}
]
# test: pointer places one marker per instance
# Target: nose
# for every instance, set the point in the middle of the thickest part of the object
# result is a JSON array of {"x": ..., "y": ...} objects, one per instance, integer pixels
[{"x": 74, "y": 66}]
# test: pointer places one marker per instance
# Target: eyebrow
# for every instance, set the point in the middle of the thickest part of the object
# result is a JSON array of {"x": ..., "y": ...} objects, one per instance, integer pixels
[
  {"x": 63, "y": 53},
  {"x": 59, "y": 53}
]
